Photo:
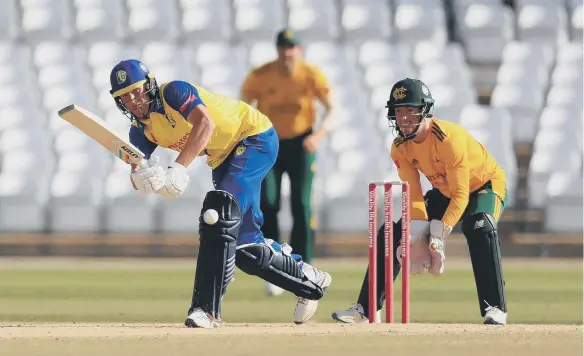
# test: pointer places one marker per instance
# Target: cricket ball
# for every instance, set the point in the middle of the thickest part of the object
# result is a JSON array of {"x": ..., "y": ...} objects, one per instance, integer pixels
[{"x": 211, "y": 216}]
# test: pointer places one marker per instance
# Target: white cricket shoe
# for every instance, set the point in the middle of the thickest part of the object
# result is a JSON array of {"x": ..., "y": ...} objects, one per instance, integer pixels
[
  {"x": 495, "y": 316},
  {"x": 354, "y": 315},
  {"x": 273, "y": 290},
  {"x": 305, "y": 308},
  {"x": 198, "y": 318}
]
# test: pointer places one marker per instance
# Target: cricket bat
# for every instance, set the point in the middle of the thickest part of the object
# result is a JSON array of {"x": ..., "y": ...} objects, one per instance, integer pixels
[{"x": 98, "y": 130}]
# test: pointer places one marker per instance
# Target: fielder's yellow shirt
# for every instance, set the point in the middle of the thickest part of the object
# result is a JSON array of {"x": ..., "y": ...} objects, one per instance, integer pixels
[
  {"x": 167, "y": 124},
  {"x": 287, "y": 100},
  {"x": 453, "y": 161}
]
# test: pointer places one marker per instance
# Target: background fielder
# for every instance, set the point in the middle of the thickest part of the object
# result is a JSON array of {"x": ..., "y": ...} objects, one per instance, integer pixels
[
  {"x": 286, "y": 90},
  {"x": 468, "y": 185},
  {"x": 241, "y": 146}
]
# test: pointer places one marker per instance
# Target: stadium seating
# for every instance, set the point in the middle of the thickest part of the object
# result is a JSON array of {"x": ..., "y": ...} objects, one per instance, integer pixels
[
  {"x": 205, "y": 20},
  {"x": 485, "y": 28},
  {"x": 55, "y": 52}
]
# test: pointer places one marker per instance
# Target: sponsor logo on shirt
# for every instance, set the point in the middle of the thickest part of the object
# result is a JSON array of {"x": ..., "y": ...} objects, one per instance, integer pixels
[{"x": 180, "y": 144}]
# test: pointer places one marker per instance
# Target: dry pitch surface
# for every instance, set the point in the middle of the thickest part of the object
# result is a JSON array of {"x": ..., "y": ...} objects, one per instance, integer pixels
[{"x": 289, "y": 339}]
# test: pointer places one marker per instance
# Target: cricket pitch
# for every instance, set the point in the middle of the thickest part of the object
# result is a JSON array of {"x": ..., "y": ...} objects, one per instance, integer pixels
[{"x": 288, "y": 339}]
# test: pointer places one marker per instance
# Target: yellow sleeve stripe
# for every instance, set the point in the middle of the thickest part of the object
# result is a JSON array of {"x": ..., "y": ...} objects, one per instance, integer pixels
[{"x": 498, "y": 208}]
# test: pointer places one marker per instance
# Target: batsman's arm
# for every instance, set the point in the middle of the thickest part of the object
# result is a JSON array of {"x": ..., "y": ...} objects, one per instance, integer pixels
[
  {"x": 138, "y": 139},
  {"x": 455, "y": 158},
  {"x": 410, "y": 174},
  {"x": 185, "y": 98}
]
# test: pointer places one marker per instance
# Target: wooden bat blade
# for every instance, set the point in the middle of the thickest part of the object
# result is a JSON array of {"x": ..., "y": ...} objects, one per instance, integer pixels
[{"x": 94, "y": 127}]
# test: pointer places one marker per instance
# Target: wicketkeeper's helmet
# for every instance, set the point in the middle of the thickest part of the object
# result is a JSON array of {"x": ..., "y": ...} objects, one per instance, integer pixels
[{"x": 409, "y": 92}]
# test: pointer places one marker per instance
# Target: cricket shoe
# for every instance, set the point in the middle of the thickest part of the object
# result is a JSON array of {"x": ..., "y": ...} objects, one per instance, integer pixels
[
  {"x": 495, "y": 316},
  {"x": 198, "y": 318},
  {"x": 354, "y": 315},
  {"x": 305, "y": 308}
]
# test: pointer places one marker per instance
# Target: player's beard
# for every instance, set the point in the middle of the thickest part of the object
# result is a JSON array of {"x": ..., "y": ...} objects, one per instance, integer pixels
[
  {"x": 142, "y": 109},
  {"x": 410, "y": 128}
]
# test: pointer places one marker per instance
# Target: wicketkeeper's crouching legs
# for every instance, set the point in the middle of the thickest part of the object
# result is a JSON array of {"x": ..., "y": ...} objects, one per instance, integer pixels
[
  {"x": 420, "y": 260},
  {"x": 358, "y": 312},
  {"x": 484, "y": 248},
  {"x": 364, "y": 293}
]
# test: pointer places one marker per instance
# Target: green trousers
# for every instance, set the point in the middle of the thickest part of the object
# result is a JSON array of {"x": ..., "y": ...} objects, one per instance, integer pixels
[
  {"x": 483, "y": 200},
  {"x": 294, "y": 160}
]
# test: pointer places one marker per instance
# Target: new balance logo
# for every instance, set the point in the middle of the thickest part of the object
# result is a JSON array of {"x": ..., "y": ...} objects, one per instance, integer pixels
[{"x": 479, "y": 224}]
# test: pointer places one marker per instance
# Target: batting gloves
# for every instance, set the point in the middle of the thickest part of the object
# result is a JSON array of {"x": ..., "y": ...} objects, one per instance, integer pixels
[
  {"x": 149, "y": 179},
  {"x": 176, "y": 181}
]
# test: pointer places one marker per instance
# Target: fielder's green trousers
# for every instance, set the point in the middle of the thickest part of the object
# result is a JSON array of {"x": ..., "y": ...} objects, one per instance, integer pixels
[{"x": 298, "y": 164}]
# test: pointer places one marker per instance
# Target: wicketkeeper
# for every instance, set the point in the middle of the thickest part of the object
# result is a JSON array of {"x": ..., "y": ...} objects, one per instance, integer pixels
[
  {"x": 241, "y": 146},
  {"x": 467, "y": 185}
]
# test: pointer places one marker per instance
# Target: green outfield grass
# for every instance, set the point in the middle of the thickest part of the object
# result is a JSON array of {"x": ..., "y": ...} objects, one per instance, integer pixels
[{"x": 539, "y": 292}]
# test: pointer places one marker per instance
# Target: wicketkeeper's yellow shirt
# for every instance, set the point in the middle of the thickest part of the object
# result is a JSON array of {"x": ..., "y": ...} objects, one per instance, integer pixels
[{"x": 453, "y": 161}]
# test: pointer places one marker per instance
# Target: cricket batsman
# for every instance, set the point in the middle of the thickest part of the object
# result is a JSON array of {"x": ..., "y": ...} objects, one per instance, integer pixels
[
  {"x": 241, "y": 147},
  {"x": 467, "y": 185}
]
